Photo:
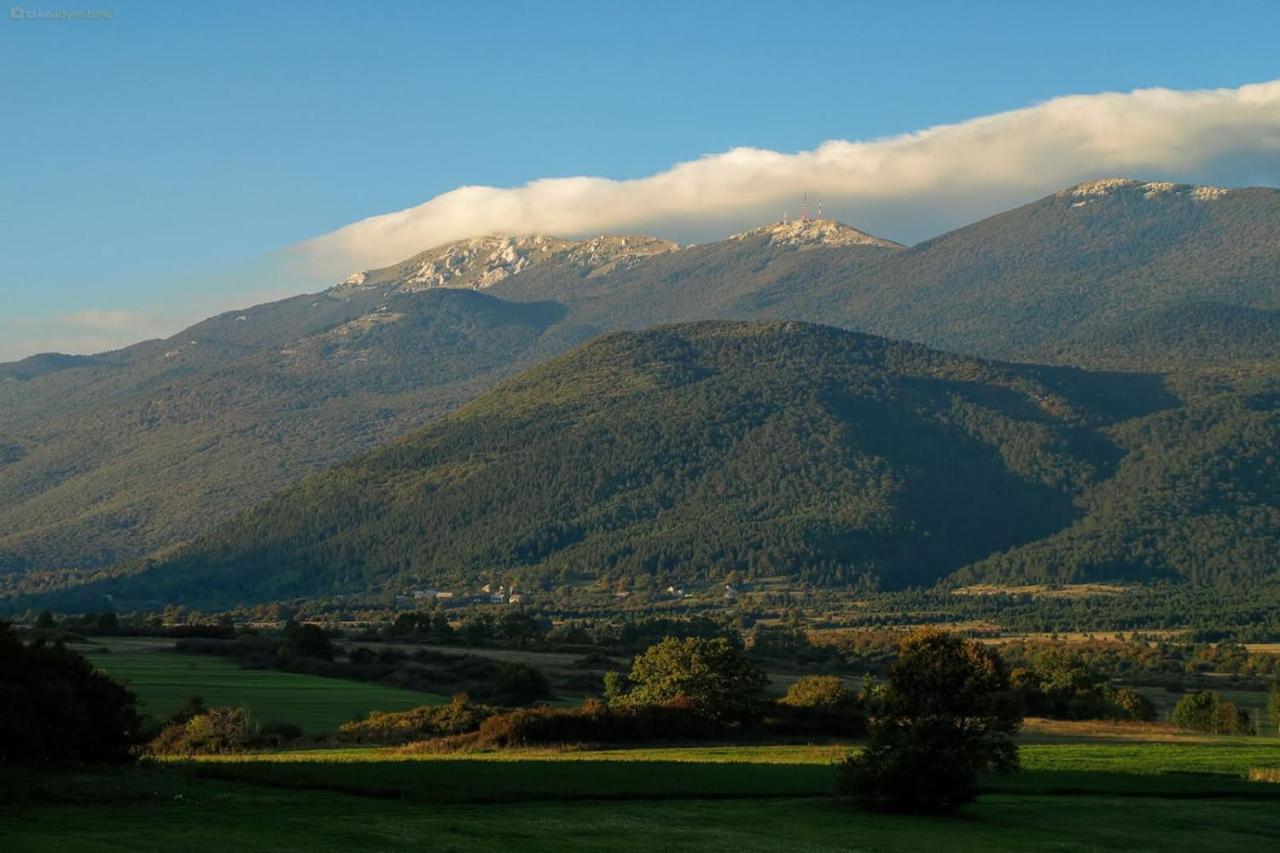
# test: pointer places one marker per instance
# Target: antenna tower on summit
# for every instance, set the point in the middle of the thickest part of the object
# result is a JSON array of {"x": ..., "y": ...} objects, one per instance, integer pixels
[
  {"x": 819, "y": 207},
  {"x": 804, "y": 209}
]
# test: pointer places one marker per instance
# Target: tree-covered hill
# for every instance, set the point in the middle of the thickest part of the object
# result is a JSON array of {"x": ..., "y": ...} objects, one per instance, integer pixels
[
  {"x": 111, "y": 460},
  {"x": 685, "y": 453},
  {"x": 113, "y": 457},
  {"x": 1197, "y": 495}
]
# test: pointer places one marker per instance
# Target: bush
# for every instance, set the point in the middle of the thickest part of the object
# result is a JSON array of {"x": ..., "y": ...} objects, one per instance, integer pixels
[
  {"x": 593, "y": 723},
  {"x": 305, "y": 640},
  {"x": 429, "y": 721},
  {"x": 1129, "y": 704},
  {"x": 217, "y": 731},
  {"x": 1064, "y": 687},
  {"x": 1205, "y": 711},
  {"x": 278, "y": 734},
  {"x": 517, "y": 684},
  {"x": 818, "y": 705},
  {"x": 945, "y": 714},
  {"x": 820, "y": 693},
  {"x": 362, "y": 656},
  {"x": 55, "y": 707}
]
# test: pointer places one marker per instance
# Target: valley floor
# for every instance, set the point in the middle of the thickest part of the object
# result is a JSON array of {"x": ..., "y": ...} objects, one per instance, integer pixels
[{"x": 1072, "y": 796}]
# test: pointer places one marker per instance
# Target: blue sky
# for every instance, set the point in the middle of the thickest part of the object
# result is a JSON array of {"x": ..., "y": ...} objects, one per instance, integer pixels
[{"x": 149, "y": 157}]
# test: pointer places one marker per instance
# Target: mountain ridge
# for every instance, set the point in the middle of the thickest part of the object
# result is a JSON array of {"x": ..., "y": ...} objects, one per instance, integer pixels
[
  {"x": 108, "y": 458},
  {"x": 687, "y": 453}
]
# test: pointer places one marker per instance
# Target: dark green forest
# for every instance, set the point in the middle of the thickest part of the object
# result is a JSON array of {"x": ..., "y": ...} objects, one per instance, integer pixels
[{"x": 719, "y": 450}]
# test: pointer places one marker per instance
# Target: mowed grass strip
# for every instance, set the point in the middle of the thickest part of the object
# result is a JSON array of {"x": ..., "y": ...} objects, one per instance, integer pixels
[
  {"x": 320, "y": 822},
  {"x": 164, "y": 680},
  {"x": 1128, "y": 770},
  {"x": 469, "y": 781}
]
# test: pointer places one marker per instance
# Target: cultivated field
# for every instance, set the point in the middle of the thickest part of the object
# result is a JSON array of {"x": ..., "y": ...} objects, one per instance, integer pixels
[{"x": 164, "y": 679}]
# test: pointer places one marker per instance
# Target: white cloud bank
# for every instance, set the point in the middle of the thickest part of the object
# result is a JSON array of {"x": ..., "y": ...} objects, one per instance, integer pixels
[{"x": 906, "y": 187}]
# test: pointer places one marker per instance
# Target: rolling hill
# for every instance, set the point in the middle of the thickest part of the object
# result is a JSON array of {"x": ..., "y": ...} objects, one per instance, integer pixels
[
  {"x": 684, "y": 453},
  {"x": 110, "y": 458}
]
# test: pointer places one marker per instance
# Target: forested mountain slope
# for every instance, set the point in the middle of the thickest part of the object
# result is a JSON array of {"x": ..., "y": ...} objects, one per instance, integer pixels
[
  {"x": 112, "y": 457},
  {"x": 683, "y": 453}
]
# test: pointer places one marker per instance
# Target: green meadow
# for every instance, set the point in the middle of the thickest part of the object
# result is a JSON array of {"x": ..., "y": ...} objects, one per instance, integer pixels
[
  {"x": 164, "y": 679},
  {"x": 1087, "y": 797},
  {"x": 1091, "y": 791}
]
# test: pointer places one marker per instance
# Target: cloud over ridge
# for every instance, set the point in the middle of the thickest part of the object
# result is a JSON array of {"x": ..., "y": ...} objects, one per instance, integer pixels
[{"x": 908, "y": 186}]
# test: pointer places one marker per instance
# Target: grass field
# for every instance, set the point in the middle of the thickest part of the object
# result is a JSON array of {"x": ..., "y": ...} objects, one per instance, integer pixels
[
  {"x": 1086, "y": 787},
  {"x": 1084, "y": 796},
  {"x": 164, "y": 679}
]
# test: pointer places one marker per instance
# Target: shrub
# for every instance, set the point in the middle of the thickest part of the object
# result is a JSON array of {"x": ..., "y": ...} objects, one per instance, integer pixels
[
  {"x": 594, "y": 723},
  {"x": 1129, "y": 704},
  {"x": 303, "y": 639},
  {"x": 362, "y": 656},
  {"x": 518, "y": 684},
  {"x": 1205, "y": 711},
  {"x": 54, "y": 707},
  {"x": 429, "y": 721},
  {"x": 945, "y": 714},
  {"x": 818, "y": 705},
  {"x": 278, "y": 734},
  {"x": 217, "y": 731},
  {"x": 1273, "y": 706},
  {"x": 820, "y": 692},
  {"x": 1064, "y": 687}
]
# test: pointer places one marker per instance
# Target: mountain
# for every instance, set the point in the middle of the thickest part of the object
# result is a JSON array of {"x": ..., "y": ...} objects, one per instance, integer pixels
[
  {"x": 128, "y": 453},
  {"x": 1089, "y": 258},
  {"x": 684, "y": 453},
  {"x": 484, "y": 261},
  {"x": 110, "y": 458},
  {"x": 1096, "y": 263}
]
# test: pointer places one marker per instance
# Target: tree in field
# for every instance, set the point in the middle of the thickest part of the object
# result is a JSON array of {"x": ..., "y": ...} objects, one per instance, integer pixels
[
  {"x": 1205, "y": 711},
  {"x": 518, "y": 629},
  {"x": 945, "y": 714},
  {"x": 710, "y": 673},
  {"x": 304, "y": 640},
  {"x": 55, "y": 707}
]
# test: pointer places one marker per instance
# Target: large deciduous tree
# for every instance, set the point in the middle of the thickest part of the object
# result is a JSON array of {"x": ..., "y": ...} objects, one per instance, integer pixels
[
  {"x": 712, "y": 674},
  {"x": 945, "y": 714},
  {"x": 56, "y": 708}
]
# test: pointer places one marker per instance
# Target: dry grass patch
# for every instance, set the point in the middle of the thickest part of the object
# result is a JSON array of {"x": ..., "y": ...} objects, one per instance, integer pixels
[{"x": 1035, "y": 590}]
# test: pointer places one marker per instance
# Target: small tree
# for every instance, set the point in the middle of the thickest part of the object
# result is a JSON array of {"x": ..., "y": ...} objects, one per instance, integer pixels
[
  {"x": 945, "y": 714},
  {"x": 1196, "y": 711},
  {"x": 305, "y": 640},
  {"x": 518, "y": 629},
  {"x": 519, "y": 684},
  {"x": 717, "y": 678},
  {"x": 1125, "y": 703},
  {"x": 825, "y": 693},
  {"x": 1273, "y": 706}
]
